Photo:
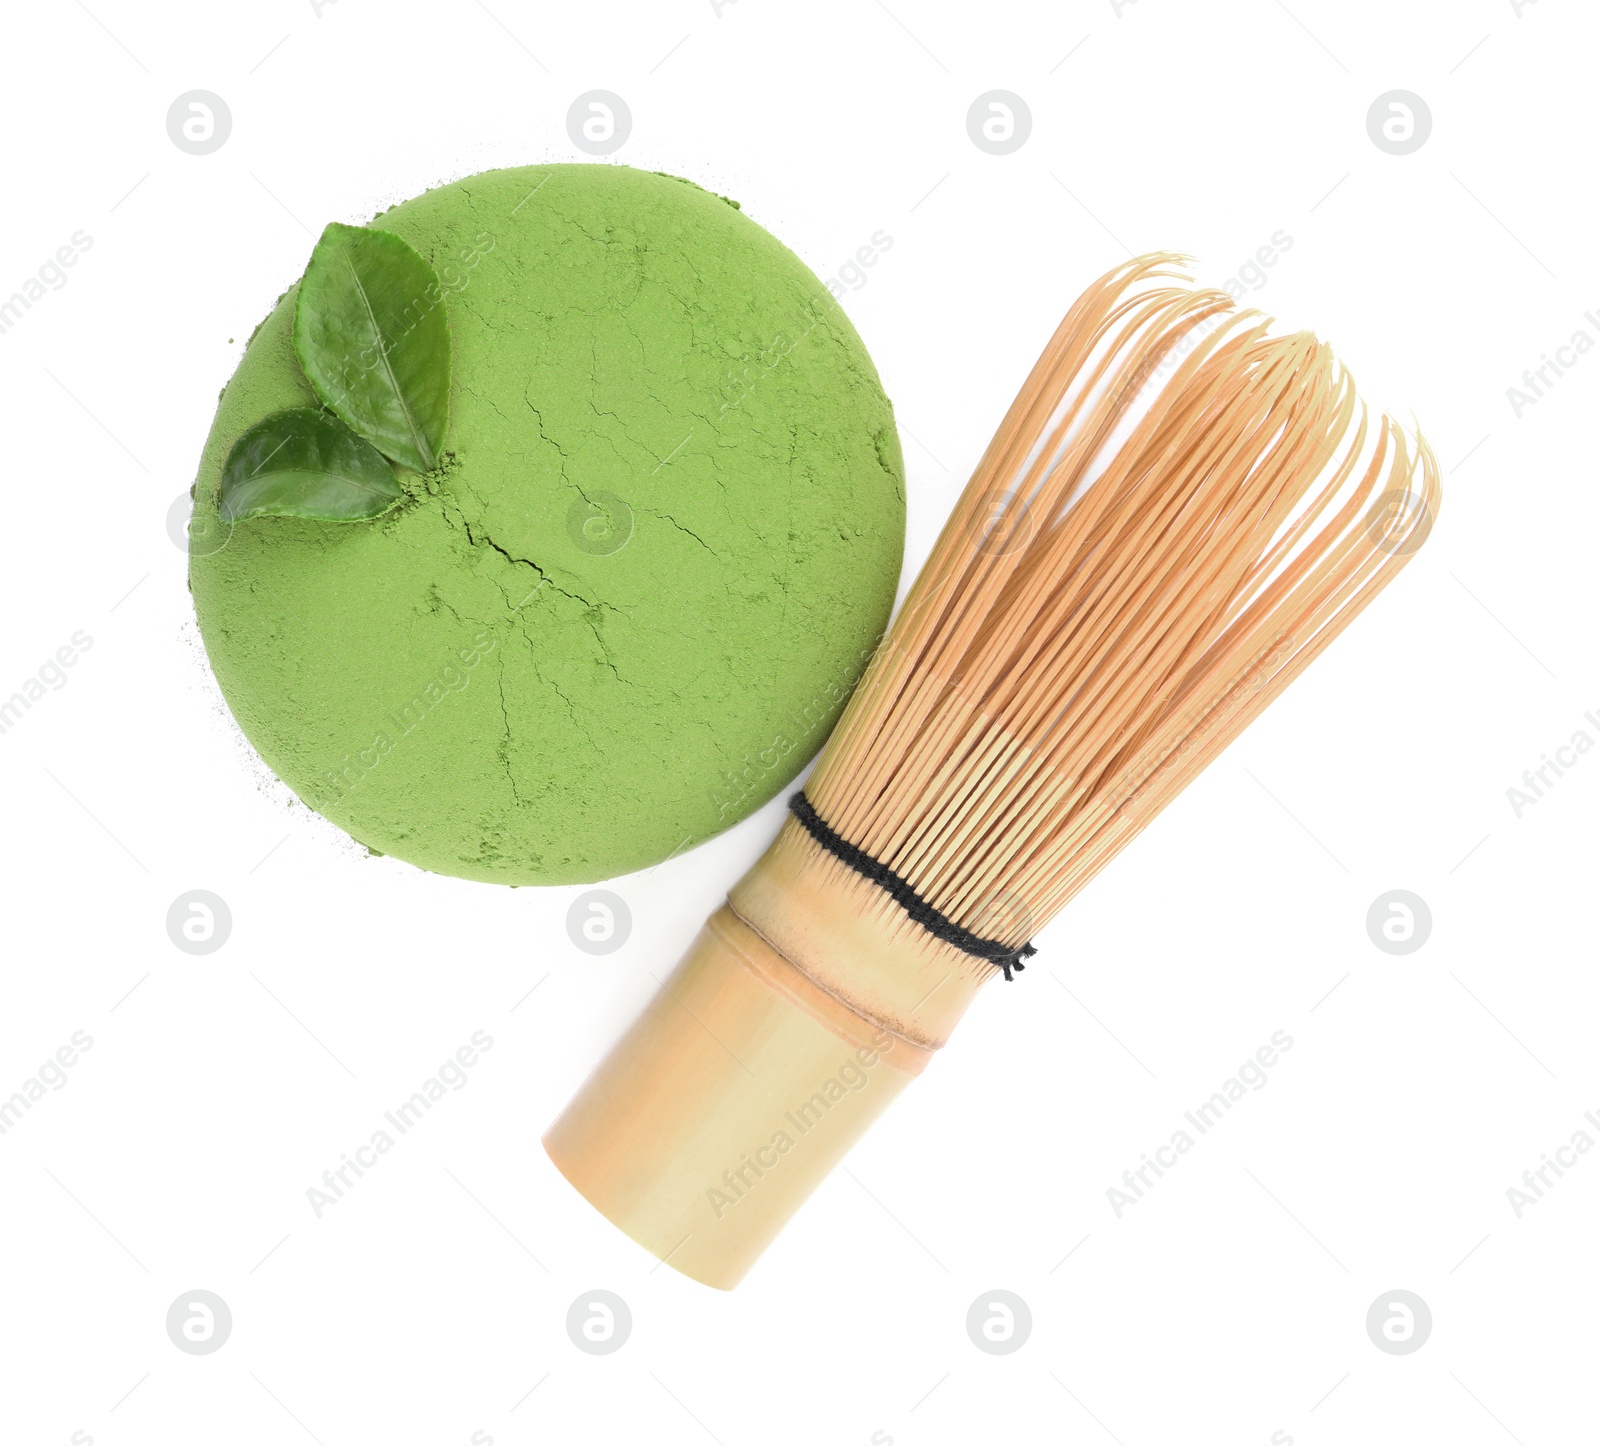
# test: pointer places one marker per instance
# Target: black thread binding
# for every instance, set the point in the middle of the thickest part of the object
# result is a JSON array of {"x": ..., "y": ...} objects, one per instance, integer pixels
[{"x": 1002, "y": 956}]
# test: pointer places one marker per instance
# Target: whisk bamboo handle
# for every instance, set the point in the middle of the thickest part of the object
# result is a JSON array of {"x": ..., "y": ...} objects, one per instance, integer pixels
[{"x": 785, "y": 1031}]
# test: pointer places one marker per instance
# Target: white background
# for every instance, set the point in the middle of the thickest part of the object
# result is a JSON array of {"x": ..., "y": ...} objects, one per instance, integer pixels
[{"x": 1227, "y": 1305}]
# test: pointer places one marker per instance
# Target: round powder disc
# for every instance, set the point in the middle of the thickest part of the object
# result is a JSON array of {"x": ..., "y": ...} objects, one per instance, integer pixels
[{"x": 630, "y": 603}]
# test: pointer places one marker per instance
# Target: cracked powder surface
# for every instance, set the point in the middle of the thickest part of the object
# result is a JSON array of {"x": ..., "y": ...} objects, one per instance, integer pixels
[{"x": 631, "y": 602}]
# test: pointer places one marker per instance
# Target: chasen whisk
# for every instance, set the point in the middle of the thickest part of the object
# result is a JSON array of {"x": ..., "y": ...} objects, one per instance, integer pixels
[{"x": 1179, "y": 512}]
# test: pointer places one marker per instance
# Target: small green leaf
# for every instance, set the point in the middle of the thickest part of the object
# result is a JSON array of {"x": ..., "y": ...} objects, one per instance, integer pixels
[
  {"x": 370, "y": 333},
  {"x": 304, "y": 463}
]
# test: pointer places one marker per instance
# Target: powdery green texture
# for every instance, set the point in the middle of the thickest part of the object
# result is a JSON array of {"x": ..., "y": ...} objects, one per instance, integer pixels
[{"x": 472, "y": 682}]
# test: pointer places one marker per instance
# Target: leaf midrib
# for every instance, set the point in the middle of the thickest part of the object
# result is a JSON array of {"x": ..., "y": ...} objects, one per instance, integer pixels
[
  {"x": 331, "y": 476},
  {"x": 423, "y": 450}
]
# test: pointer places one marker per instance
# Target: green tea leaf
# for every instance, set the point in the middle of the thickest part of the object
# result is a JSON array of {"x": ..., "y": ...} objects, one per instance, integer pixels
[
  {"x": 370, "y": 333},
  {"x": 304, "y": 463}
]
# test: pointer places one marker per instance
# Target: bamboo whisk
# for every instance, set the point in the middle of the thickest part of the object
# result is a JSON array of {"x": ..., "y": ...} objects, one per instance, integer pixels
[{"x": 1178, "y": 513}]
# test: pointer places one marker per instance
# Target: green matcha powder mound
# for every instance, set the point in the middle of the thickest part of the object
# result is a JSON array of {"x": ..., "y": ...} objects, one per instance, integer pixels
[{"x": 629, "y": 604}]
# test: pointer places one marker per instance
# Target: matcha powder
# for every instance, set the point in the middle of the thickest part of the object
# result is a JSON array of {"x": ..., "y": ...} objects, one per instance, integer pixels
[{"x": 629, "y": 604}]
